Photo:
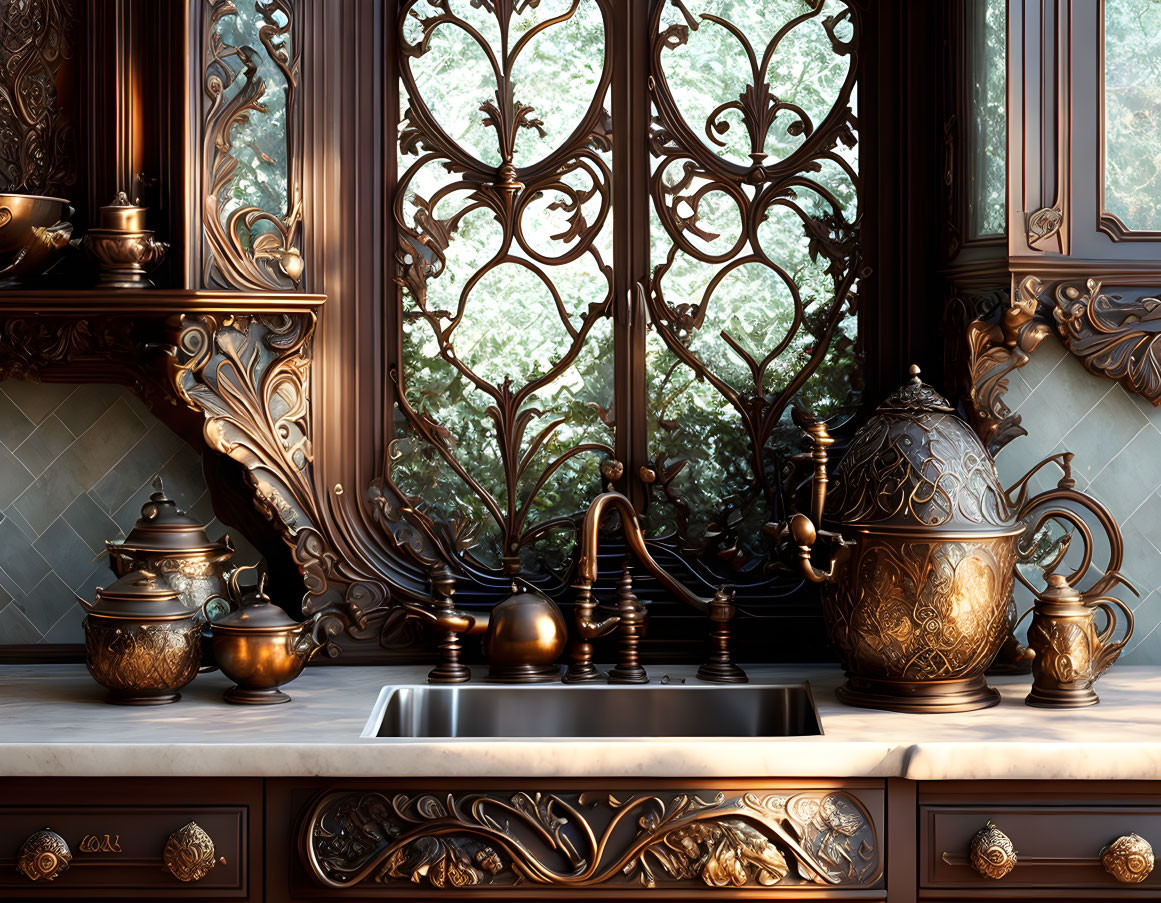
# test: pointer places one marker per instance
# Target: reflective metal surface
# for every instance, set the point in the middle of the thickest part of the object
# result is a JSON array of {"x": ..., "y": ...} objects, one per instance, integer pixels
[{"x": 673, "y": 710}]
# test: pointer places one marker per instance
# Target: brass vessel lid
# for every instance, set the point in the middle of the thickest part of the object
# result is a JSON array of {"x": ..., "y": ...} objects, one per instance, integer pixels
[
  {"x": 141, "y": 595},
  {"x": 256, "y": 612},
  {"x": 163, "y": 527},
  {"x": 915, "y": 465},
  {"x": 1060, "y": 594},
  {"x": 121, "y": 215}
]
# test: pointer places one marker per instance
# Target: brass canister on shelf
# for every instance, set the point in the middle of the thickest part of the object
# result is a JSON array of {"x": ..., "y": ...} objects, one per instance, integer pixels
[
  {"x": 141, "y": 642},
  {"x": 916, "y": 546},
  {"x": 1069, "y": 653},
  {"x": 167, "y": 541},
  {"x": 121, "y": 246}
]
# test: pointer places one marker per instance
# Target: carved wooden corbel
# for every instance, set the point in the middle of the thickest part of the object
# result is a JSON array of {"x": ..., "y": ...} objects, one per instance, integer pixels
[
  {"x": 1111, "y": 336},
  {"x": 249, "y": 377},
  {"x": 995, "y": 349}
]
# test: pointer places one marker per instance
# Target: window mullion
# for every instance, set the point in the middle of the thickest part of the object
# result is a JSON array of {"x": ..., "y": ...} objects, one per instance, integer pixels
[{"x": 631, "y": 231}]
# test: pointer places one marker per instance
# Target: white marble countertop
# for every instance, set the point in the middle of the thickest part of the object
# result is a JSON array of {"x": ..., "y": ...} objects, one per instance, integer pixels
[{"x": 53, "y": 721}]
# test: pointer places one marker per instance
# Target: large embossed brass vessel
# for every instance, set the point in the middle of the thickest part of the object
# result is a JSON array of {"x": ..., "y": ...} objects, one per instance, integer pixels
[
  {"x": 141, "y": 643},
  {"x": 923, "y": 552}
]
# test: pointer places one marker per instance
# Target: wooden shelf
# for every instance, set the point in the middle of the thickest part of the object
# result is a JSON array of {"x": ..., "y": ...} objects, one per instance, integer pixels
[{"x": 156, "y": 302}]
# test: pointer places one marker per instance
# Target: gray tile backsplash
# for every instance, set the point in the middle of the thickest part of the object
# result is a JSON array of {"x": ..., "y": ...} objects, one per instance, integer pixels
[
  {"x": 76, "y": 464},
  {"x": 1116, "y": 437}
]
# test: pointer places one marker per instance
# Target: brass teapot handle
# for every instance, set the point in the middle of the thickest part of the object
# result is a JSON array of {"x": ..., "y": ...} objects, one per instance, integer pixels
[
  {"x": 1109, "y": 652},
  {"x": 1060, "y": 504}
]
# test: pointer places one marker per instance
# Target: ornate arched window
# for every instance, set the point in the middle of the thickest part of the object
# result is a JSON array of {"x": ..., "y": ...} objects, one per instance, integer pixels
[{"x": 627, "y": 242}]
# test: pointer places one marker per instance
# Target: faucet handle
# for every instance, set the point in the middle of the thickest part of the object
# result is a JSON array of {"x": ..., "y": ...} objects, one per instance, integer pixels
[
  {"x": 581, "y": 668},
  {"x": 720, "y": 667}
]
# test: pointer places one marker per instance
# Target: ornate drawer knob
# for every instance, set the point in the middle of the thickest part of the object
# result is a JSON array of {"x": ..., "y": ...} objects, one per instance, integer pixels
[
  {"x": 1129, "y": 859},
  {"x": 992, "y": 853},
  {"x": 46, "y": 855},
  {"x": 189, "y": 853}
]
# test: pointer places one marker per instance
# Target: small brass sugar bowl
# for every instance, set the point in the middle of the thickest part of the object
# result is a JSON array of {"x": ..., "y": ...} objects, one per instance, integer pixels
[
  {"x": 141, "y": 642},
  {"x": 121, "y": 246},
  {"x": 167, "y": 541},
  {"x": 260, "y": 647},
  {"x": 1069, "y": 652}
]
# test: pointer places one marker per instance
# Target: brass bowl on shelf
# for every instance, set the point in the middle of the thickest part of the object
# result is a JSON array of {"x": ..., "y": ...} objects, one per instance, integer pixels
[{"x": 34, "y": 230}]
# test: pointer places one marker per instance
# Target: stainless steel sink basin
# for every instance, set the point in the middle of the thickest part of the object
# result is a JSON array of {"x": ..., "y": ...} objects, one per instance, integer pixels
[{"x": 672, "y": 710}]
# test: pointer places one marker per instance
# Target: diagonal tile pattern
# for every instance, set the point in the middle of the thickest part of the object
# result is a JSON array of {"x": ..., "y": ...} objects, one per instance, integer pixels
[
  {"x": 1116, "y": 437},
  {"x": 76, "y": 464}
]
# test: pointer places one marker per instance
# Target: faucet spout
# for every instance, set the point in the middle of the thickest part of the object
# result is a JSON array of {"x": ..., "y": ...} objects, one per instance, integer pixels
[{"x": 719, "y": 607}]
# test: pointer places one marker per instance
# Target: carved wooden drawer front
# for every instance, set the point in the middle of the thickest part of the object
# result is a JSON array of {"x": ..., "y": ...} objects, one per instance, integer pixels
[
  {"x": 1052, "y": 847},
  {"x": 615, "y": 840},
  {"x": 128, "y": 839}
]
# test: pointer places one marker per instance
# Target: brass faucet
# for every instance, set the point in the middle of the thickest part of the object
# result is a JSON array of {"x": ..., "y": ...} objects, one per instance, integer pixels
[
  {"x": 450, "y": 623},
  {"x": 630, "y": 616}
]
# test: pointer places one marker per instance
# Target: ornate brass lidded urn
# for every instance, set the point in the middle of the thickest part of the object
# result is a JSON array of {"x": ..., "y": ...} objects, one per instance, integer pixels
[
  {"x": 141, "y": 643},
  {"x": 917, "y": 587},
  {"x": 167, "y": 541}
]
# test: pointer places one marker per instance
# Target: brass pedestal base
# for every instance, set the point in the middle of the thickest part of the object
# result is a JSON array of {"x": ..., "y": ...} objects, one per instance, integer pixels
[
  {"x": 160, "y": 699},
  {"x": 1062, "y": 697},
  {"x": 722, "y": 673},
  {"x": 242, "y": 696},
  {"x": 523, "y": 674},
  {"x": 935, "y": 696}
]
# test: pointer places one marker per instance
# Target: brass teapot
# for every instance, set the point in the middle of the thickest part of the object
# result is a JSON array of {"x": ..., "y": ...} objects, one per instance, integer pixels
[
  {"x": 259, "y": 646},
  {"x": 1069, "y": 652},
  {"x": 918, "y": 545}
]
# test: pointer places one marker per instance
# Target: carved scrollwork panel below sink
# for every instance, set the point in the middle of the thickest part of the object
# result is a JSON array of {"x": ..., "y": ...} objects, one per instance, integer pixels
[{"x": 614, "y": 841}]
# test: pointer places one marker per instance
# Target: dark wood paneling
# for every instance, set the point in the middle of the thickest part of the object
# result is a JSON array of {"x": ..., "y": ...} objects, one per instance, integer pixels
[{"x": 140, "y": 813}]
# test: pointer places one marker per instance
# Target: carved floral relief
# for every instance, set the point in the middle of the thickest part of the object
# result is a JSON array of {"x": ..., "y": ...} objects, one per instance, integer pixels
[{"x": 533, "y": 840}]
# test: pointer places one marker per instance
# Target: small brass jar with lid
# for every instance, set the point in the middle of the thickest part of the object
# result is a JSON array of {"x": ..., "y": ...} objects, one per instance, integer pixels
[
  {"x": 141, "y": 642},
  {"x": 122, "y": 247},
  {"x": 1070, "y": 654},
  {"x": 167, "y": 541}
]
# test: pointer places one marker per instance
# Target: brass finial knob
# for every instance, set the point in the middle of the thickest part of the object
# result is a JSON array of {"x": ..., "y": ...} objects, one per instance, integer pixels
[
  {"x": 44, "y": 855},
  {"x": 1129, "y": 859},
  {"x": 992, "y": 853},
  {"x": 189, "y": 853}
]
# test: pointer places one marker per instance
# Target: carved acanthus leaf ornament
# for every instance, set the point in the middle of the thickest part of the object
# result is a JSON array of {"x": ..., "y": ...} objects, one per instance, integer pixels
[
  {"x": 1112, "y": 337},
  {"x": 249, "y": 376},
  {"x": 994, "y": 351}
]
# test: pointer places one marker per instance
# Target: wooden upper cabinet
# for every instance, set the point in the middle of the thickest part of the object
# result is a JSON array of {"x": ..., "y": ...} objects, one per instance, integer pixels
[{"x": 1084, "y": 93}]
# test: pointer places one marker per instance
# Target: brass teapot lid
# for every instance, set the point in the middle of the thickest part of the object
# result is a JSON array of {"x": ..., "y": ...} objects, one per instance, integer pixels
[
  {"x": 141, "y": 595},
  {"x": 163, "y": 527},
  {"x": 915, "y": 465},
  {"x": 256, "y": 612}
]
